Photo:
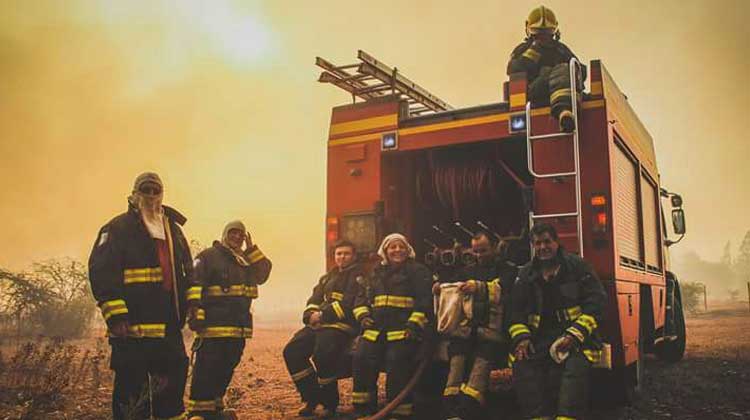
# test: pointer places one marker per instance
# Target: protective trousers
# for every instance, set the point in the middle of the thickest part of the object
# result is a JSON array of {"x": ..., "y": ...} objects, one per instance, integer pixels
[
  {"x": 547, "y": 389},
  {"x": 552, "y": 86},
  {"x": 398, "y": 359},
  {"x": 150, "y": 376},
  {"x": 468, "y": 379},
  {"x": 318, "y": 384},
  {"x": 215, "y": 361}
]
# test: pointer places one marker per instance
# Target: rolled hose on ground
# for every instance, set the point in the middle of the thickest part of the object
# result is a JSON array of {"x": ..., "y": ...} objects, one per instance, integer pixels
[{"x": 425, "y": 353}]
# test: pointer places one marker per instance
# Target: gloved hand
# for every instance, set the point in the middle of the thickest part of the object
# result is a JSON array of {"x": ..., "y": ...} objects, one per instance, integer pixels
[
  {"x": 119, "y": 329},
  {"x": 367, "y": 323},
  {"x": 413, "y": 334},
  {"x": 524, "y": 350},
  {"x": 196, "y": 318}
]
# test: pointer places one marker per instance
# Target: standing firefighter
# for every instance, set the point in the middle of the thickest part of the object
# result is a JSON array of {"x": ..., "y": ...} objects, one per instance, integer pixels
[
  {"x": 393, "y": 311},
  {"x": 481, "y": 342},
  {"x": 557, "y": 303},
  {"x": 329, "y": 329},
  {"x": 545, "y": 60},
  {"x": 139, "y": 269},
  {"x": 227, "y": 279}
]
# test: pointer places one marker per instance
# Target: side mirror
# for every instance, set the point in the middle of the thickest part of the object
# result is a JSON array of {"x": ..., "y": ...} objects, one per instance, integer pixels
[
  {"x": 678, "y": 221},
  {"x": 676, "y": 200}
]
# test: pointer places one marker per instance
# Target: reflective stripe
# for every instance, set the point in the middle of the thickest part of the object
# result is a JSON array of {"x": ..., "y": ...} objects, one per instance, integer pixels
[
  {"x": 572, "y": 330},
  {"x": 201, "y": 405},
  {"x": 451, "y": 391},
  {"x": 360, "y": 311},
  {"x": 403, "y": 410},
  {"x": 534, "y": 320},
  {"x": 181, "y": 416},
  {"x": 395, "y": 335},
  {"x": 371, "y": 335},
  {"x": 237, "y": 290},
  {"x": 594, "y": 356},
  {"x": 360, "y": 397},
  {"x": 200, "y": 314},
  {"x": 564, "y": 418},
  {"x": 473, "y": 393},
  {"x": 255, "y": 256},
  {"x": 338, "y": 309},
  {"x": 558, "y": 94},
  {"x": 339, "y": 326},
  {"x": 142, "y": 275},
  {"x": 219, "y": 403},
  {"x": 312, "y": 306},
  {"x": 418, "y": 318},
  {"x": 225, "y": 332},
  {"x": 587, "y": 321},
  {"x": 296, "y": 377},
  {"x": 532, "y": 55},
  {"x": 518, "y": 329},
  {"x": 147, "y": 330},
  {"x": 493, "y": 291},
  {"x": 194, "y": 293},
  {"x": 113, "y": 307},
  {"x": 337, "y": 296},
  {"x": 326, "y": 381},
  {"x": 511, "y": 359},
  {"x": 393, "y": 301},
  {"x": 569, "y": 314}
]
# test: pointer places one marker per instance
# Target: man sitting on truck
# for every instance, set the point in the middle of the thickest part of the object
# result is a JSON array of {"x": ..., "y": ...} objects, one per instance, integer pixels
[
  {"x": 545, "y": 60},
  {"x": 557, "y": 302}
]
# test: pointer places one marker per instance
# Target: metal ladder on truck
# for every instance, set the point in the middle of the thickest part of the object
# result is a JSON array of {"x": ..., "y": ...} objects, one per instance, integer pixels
[{"x": 576, "y": 173}]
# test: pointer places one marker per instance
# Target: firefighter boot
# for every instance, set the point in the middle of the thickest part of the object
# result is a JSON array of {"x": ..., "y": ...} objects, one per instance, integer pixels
[
  {"x": 567, "y": 122},
  {"x": 308, "y": 410}
]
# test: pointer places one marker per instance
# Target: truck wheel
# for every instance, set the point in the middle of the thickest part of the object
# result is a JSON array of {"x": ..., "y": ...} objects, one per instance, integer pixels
[{"x": 673, "y": 350}]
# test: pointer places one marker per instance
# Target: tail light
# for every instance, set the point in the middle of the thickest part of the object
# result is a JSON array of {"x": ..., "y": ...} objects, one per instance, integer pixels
[
  {"x": 599, "y": 210},
  {"x": 332, "y": 229}
]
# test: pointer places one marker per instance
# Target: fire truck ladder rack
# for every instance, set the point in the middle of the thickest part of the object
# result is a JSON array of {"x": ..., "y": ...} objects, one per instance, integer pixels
[
  {"x": 576, "y": 173},
  {"x": 371, "y": 78}
]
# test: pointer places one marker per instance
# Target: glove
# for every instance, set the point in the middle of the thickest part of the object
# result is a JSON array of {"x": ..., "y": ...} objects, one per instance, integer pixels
[
  {"x": 367, "y": 323},
  {"x": 119, "y": 329},
  {"x": 413, "y": 334}
]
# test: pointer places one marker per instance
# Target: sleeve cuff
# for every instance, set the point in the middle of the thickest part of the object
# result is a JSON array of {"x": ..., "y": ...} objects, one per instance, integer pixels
[
  {"x": 418, "y": 318},
  {"x": 255, "y": 255},
  {"x": 194, "y": 293},
  {"x": 361, "y": 312},
  {"x": 114, "y": 310}
]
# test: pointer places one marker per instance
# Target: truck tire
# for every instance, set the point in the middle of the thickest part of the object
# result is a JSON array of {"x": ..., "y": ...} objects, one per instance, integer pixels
[{"x": 673, "y": 350}]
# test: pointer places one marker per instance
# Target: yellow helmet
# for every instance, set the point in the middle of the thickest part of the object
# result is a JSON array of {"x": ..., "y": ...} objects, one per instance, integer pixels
[{"x": 541, "y": 19}]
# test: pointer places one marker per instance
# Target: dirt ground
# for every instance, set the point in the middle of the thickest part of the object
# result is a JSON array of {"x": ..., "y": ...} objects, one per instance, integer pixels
[{"x": 70, "y": 380}]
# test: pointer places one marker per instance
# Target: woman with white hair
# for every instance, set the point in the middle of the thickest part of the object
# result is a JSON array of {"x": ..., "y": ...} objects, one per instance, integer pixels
[{"x": 393, "y": 312}]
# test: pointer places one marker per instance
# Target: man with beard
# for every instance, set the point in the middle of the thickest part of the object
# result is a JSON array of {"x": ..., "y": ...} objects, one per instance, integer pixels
[
  {"x": 139, "y": 270},
  {"x": 329, "y": 327},
  {"x": 227, "y": 279},
  {"x": 557, "y": 302}
]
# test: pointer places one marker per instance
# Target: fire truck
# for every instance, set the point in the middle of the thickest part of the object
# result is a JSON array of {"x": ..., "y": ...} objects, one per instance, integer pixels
[{"x": 400, "y": 159}]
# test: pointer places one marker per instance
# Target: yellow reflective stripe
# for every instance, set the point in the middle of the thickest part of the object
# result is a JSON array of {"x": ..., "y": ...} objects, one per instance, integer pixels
[
  {"x": 338, "y": 309},
  {"x": 573, "y": 313},
  {"x": 493, "y": 291},
  {"x": 237, "y": 290},
  {"x": 535, "y": 320},
  {"x": 371, "y": 335},
  {"x": 360, "y": 311},
  {"x": 360, "y": 397},
  {"x": 576, "y": 333},
  {"x": 142, "y": 275},
  {"x": 395, "y": 335},
  {"x": 296, "y": 377},
  {"x": 593, "y": 355},
  {"x": 219, "y": 403},
  {"x": 418, "y": 318},
  {"x": 532, "y": 55},
  {"x": 200, "y": 314},
  {"x": 180, "y": 416},
  {"x": 511, "y": 359},
  {"x": 255, "y": 256},
  {"x": 559, "y": 93},
  {"x": 473, "y": 393},
  {"x": 113, "y": 307},
  {"x": 194, "y": 293},
  {"x": 587, "y": 321},
  {"x": 312, "y": 306},
  {"x": 451, "y": 391},
  {"x": 326, "y": 381},
  {"x": 339, "y": 326},
  {"x": 225, "y": 332},
  {"x": 403, "y": 410},
  {"x": 518, "y": 329},
  {"x": 337, "y": 296},
  {"x": 147, "y": 330},
  {"x": 564, "y": 418},
  {"x": 393, "y": 301},
  {"x": 201, "y": 405}
]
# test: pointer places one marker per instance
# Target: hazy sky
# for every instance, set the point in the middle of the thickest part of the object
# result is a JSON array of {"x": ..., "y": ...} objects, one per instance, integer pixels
[{"x": 221, "y": 99}]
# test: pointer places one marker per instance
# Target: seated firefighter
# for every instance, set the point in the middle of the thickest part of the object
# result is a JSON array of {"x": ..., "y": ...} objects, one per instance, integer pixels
[
  {"x": 557, "y": 303},
  {"x": 545, "y": 60},
  {"x": 329, "y": 328},
  {"x": 226, "y": 281},
  {"x": 476, "y": 344},
  {"x": 394, "y": 309}
]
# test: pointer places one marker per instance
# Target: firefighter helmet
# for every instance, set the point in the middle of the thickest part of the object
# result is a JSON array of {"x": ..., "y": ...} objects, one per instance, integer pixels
[{"x": 541, "y": 19}]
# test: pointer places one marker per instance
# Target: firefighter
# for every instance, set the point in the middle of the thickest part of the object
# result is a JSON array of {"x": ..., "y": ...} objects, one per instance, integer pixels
[
  {"x": 557, "y": 302},
  {"x": 471, "y": 357},
  {"x": 329, "y": 329},
  {"x": 140, "y": 268},
  {"x": 546, "y": 61},
  {"x": 227, "y": 279},
  {"x": 393, "y": 310}
]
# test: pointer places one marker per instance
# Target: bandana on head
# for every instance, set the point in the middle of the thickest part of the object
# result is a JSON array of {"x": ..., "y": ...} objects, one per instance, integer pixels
[
  {"x": 149, "y": 205},
  {"x": 388, "y": 240},
  {"x": 238, "y": 255}
]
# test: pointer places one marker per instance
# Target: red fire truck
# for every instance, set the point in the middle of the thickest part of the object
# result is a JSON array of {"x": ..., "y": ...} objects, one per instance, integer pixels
[{"x": 402, "y": 160}]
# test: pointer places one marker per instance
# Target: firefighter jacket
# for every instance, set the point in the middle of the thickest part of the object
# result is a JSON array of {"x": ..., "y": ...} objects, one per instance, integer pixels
[
  {"x": 494, "y": 281},
  {"x": 334, "y": 297},
  {"x": 538, "y": 60},
  {"x": 126, "y": 276},
  {"x": 224, "y": 290},
  {"x": 397, "y": 299},
  {"x": 572, "y": 302}
]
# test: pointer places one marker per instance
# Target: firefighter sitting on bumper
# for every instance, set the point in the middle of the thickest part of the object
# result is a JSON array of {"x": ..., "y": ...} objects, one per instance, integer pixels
[
  {"x": 139, "y": 270},
  {"x": 329, "y": 328},
  {"x": 227, "y": 280},
  {"x": 475, "y": 346},
  {"x": 557, "y": 302},
  {"x": 394, "y": 311},
  {"x": 545, "y": 60}
]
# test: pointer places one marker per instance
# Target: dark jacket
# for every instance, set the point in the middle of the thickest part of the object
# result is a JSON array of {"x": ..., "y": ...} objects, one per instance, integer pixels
[
  {"x": 537, "y": 60},
  {"x": 574, "y": 304},
  {"x": 397, "y": 299},
  {"x": 226, "y": 289},
  {"x": 334, "y": 297},
  {"x": 126, "y": 277}
]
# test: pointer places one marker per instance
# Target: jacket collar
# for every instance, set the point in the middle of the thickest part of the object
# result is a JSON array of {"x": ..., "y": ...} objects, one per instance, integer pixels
[{"x": 171, "y": 213}]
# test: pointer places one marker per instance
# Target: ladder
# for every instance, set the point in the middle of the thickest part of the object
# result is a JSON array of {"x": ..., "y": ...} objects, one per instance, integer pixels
[
  {"x": 576, "y": 173},
  {"x": 371, "y": 78}
]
